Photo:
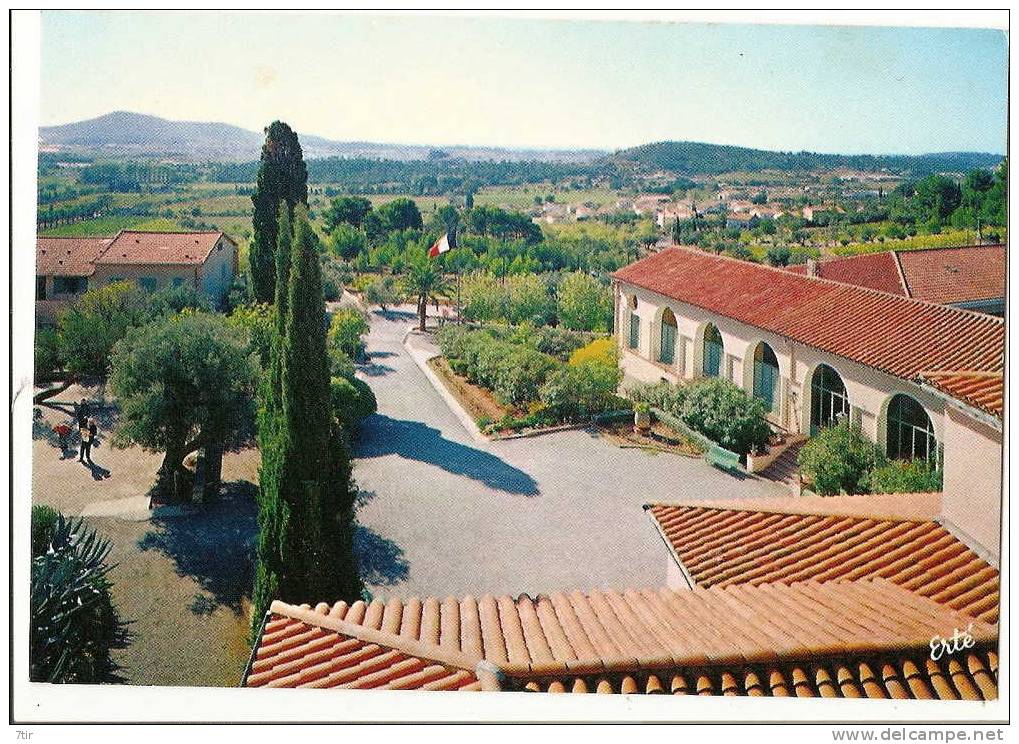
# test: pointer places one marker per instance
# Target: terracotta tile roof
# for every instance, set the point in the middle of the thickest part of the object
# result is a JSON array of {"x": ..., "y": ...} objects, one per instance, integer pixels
[
  {"x": 68, "y": 256},
  {"x": 898, "y": 335},
  {"x": 971, "y": 676},
  {"x": 869, "y": 637},
  {"x": 983, "y": 390},
  {"x": 718, "y": 547},
  {"x": 301, "y": 647},
  {"x": 944, "y": 276},
  {"x": 954, "y": 275},
  {"x": 875, "y": 270},
  {"x": 131, "y": 247}
]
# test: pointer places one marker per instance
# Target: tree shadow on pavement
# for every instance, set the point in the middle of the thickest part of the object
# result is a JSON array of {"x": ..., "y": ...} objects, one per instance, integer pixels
[
  {"x": 375, "y": 370},
  {"x": 414, "y": 440},
  {"x": 380, "y": 560},
  {"x": 214, "y": 546},
  {"x": 395, "y": 314}
]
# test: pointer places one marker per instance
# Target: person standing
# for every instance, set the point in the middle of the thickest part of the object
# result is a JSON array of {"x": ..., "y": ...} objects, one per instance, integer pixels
[
  {"x": 93, "y": 430},
  {"x": 86, "y": 443}
]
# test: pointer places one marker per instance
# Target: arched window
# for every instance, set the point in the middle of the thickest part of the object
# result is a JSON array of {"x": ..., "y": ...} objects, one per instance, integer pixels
[
  {"x": 828, "y": 399},
  {"x": 713, "y": 352},
  {"x": 667, "y": 348},
  {"x": 766, "y": 375},
  {"x": 634, "y": 324},
  {"x": 910, "y": 433}
]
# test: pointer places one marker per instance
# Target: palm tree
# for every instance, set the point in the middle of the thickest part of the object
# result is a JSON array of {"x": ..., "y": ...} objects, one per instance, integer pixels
[{"x": 425, "y": 281}]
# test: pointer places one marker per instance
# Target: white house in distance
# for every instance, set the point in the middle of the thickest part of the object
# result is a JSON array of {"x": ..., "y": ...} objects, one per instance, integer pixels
[
  {"x": 67, "y": 267},
  {"x": 921, "y": 380}
]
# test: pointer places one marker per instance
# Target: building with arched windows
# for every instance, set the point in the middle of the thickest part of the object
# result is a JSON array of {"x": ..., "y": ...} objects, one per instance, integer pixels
[{"x": 921, "y": 380}]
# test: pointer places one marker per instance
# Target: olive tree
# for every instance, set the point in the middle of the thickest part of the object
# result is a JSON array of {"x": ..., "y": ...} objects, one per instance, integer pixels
[{"x": 182, "y": 383}]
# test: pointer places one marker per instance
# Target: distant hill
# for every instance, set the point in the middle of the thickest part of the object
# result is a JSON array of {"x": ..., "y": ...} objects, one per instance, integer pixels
[
  {"x": 698, "y": 157},
  {"x": 123, "y": 133}
]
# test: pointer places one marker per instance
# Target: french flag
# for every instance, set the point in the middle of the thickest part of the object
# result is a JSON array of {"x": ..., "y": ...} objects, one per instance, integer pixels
[{"x": 441, "y": 245}]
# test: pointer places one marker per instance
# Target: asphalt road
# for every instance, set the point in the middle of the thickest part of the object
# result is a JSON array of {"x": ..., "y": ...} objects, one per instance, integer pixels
[{"x": 443, "y": 514}]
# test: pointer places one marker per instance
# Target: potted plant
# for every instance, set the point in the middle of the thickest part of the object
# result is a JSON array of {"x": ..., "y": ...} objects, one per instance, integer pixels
[{"x": 641, "y": 416}]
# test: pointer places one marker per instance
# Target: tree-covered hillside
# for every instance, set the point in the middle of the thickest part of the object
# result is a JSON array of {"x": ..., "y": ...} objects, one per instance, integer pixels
[{"x": 704, "y": 158}]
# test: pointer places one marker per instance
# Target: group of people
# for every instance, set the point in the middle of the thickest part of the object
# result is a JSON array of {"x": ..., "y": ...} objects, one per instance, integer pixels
[{"x": 88, "y": 430}]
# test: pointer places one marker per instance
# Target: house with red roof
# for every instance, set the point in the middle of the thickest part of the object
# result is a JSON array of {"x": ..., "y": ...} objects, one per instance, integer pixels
[
  {"x": 970, "y": 277},
  {"x": 67, "y": 267},
  {"x": 922, "y": 380}
]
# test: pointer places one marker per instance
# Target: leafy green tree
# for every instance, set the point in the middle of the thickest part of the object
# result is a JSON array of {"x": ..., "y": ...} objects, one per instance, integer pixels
[
  {"x": 424, "y": 281},
  {"x": 382, "y": 291},
  {"x": 74, "y": 624},
  {"x": 778, "y": 255},
  {"x": 89, "y": 329},
  {"x": 838, "y": 459},
  {"x": 183, "y": 383},
  {"x": 282, "y": 178},
  {"x": 935, "y": 198},
  {"x": 584, "y": 304},
  {"x": 346, "y": 210},
  {"x": 399, "y": 214},
  {"x": 305, "y": 545},
  {"x": 347, "y": 241}
]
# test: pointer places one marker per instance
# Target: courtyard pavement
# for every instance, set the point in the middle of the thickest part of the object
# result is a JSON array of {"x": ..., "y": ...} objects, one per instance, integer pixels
[{"x": 445, "y": 514}]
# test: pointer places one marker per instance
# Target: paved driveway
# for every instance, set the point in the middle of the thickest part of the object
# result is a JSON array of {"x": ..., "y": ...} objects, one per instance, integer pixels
[{"x": 444, "y": 514}]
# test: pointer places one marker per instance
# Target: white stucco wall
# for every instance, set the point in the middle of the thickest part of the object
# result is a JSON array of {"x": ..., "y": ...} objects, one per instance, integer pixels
[
  {"x": 869, "y": 390},
  {"x": 972, "y": 488},
  {"x": 217, "y": 274}
]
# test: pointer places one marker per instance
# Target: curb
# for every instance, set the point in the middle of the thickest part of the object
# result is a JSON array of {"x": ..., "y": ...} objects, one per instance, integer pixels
[{"x": 421, "y": 359}]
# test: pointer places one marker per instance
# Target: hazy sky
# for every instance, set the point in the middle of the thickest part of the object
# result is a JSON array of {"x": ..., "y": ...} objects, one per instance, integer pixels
[{"x": 517, "y": 82}]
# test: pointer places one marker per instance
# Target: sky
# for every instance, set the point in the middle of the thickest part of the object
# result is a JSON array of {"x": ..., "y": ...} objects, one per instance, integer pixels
[{"x": 536, "y": 83}]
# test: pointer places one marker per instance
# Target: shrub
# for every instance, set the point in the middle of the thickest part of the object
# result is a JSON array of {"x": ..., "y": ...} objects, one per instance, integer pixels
[
  {"x": 662, "y": 395},
  {"x": 490, "y": 362},
  {"x": 44, "y": 519},
  {"x": 521, "y": 373},
  {"x": 452, "y": 340},
  {"x": 170, "y": 300},
  {"x": 726, "y": 414},
  {"x": 558, "y": 342},
  {"x": 74, "y": 624},
  {"x": 347, "y": 329},
  {"x": 602, "y": 351},
  {"x": 352, "y": 400},
  {"x": 838, "y": 459},
  {"x": 47, "y": 353},
  {"x": 580, "y": 391},
  {"x": 901, "y": 476}
]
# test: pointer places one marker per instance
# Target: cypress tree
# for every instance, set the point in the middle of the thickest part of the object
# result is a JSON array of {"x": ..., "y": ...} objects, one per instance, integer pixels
[
  {"x": 282, "y": 177},
  {"x": 306, "y": 510}
]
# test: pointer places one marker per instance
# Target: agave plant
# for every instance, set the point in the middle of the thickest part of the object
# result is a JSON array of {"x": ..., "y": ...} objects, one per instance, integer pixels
[{"x": 74, "y": 623}]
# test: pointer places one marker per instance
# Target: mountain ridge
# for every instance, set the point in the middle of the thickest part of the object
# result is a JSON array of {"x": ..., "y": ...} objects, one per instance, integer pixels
[{"x": 125, "y": 133}]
